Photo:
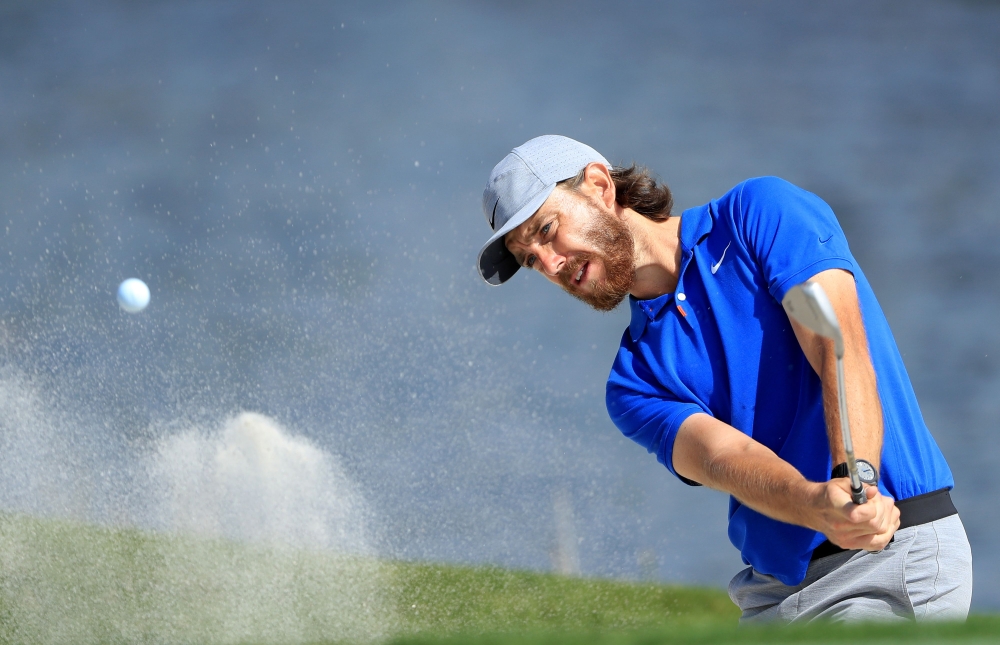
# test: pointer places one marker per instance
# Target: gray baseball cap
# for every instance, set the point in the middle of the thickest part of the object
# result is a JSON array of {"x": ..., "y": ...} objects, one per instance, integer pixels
[{"x": 518, "y": 186}]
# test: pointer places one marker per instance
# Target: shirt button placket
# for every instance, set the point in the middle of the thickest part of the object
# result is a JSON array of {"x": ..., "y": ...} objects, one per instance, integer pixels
[{"x": 679, "y": 299}]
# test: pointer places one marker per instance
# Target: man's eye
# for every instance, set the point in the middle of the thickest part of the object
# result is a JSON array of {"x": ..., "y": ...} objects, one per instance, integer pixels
[
  {"x": 545, "y": 229},
  {"x": 530, "y": 261}
]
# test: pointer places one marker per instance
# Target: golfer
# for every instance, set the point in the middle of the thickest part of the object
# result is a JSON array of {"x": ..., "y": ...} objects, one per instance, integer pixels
[{"x": 715, "y": 379}]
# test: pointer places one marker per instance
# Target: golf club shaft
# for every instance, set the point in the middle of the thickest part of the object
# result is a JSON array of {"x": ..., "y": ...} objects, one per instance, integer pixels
[{"x": 857, "y": 490}]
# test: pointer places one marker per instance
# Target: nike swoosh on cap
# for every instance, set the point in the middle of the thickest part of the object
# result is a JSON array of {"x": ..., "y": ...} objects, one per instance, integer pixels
[
  {"x": 493, "y": 217},
  {"x": 715, "y": 267}
]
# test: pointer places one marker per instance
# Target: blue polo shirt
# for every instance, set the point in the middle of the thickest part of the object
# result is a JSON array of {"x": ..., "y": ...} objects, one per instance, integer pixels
[{"x": 722, "y": 344}]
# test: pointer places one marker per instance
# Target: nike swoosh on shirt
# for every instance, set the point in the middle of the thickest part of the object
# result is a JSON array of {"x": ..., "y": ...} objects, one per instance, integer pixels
[
  {"x": 715, "y": 267},
  {"x": 828, "y": 238}
]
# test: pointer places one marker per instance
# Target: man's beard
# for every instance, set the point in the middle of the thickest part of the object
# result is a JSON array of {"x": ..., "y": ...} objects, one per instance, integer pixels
[{"x": 615, "y": 249}]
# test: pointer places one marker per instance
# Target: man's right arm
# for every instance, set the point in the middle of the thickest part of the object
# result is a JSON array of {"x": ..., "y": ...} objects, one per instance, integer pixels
[{"x": 719, "y": 456}]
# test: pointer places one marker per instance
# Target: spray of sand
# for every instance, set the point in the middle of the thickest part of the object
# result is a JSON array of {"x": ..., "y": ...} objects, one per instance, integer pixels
[
  {"x": 43, "y": 457},
  {"x": 245, "y": 532},
  {"x": 251, "y": 480}
]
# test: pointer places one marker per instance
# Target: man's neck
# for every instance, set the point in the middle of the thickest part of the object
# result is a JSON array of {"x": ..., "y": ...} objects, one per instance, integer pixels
[{"x": 657, "y": 254}]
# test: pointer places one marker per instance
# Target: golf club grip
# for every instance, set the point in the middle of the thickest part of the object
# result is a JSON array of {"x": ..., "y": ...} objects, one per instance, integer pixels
[{"x": 858, "y": 496}]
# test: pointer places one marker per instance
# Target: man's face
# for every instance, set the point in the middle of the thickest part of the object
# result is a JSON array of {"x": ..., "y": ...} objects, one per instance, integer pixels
[{"x": 577, "y": 243}]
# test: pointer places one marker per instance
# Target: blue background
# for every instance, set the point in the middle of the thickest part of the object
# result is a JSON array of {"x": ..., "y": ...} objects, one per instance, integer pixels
[{"x": 299, "y": 185}]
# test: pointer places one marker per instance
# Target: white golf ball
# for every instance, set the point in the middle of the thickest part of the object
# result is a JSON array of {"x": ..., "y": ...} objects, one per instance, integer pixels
[{"x": 133, "y": 295}]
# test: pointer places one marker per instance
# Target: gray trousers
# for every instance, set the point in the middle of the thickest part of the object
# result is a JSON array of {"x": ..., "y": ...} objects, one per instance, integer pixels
[{"x": 925, "y": 573}]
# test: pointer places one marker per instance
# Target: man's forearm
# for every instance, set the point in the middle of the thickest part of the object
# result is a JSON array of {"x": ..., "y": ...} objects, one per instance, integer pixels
[
  {"x": 864, "y": 410},
  {"x": 721, "y": 457},
  {"x": 718, "y": 455}
]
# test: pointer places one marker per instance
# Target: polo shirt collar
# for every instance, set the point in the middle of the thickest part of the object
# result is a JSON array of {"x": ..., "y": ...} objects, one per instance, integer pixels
[
  {"x": 644, "y": 311},
  {"x": 696, "y": 223}
]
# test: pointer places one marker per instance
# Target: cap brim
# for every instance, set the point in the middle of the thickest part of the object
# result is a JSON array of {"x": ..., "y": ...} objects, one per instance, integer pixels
[{"x": 496, "y": 263}]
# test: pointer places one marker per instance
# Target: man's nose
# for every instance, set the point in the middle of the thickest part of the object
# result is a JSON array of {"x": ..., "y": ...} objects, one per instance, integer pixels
[{"x": 550, "y": 261}]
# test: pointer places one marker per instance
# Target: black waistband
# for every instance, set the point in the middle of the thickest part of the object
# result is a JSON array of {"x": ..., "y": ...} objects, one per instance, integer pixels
[
  {"x": 925, "y": 508},
  {"x": 919, "y": 509}
]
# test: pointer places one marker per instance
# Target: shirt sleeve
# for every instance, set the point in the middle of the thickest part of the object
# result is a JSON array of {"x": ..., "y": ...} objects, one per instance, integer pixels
[
  {"x": 644, "y": 412},
  {"x": 791, "y": 232}
]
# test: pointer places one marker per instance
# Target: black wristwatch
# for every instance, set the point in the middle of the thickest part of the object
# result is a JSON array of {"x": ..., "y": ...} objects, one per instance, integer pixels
[{"x": 866, "y": 472}]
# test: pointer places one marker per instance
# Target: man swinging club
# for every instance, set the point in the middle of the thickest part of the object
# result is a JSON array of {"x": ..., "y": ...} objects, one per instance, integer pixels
[{"x": 729, "y": 391}]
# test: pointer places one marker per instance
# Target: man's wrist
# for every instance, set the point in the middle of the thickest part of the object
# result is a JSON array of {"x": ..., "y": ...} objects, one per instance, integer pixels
[{"x": 816, "y": 507}]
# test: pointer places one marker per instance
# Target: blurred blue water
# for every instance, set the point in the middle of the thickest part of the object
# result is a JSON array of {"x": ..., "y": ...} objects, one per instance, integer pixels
[{"x": 299, "y": 185}]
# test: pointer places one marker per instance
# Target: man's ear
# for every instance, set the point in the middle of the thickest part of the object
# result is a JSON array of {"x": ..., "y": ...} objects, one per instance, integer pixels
[{"x": 598, "y": 182}]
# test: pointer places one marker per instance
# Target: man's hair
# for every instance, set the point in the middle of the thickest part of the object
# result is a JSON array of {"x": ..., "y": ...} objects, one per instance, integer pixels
[{"x": 635, "y": 188}]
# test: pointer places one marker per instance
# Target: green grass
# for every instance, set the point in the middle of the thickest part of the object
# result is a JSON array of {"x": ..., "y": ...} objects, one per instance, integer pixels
[
  {"x": 979, "y": 629},
  {"x": 439, "y": 600},
  {"x": 65, "y": 582}
]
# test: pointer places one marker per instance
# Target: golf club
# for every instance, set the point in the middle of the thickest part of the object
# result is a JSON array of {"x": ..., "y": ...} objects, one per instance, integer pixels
[{"x": 808, "y": 304}]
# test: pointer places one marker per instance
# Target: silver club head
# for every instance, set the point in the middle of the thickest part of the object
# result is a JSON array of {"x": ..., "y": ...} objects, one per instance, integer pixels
[{"x": 807, "y": 303}]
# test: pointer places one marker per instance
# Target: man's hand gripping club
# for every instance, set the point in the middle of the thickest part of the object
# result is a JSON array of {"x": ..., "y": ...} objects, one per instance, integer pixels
[{"x": 868, "y": 526}]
